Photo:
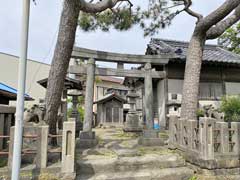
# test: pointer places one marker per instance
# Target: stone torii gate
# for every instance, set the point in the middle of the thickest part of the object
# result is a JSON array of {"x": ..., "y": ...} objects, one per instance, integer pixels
[{"x": 87, "y": 136}]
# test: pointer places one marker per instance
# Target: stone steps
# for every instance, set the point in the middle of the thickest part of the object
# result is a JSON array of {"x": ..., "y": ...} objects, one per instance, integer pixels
[
  {"x": 179, "y": 173},
  {"x": 149, "y": 166},
  {"x": 122, "y": 164}
]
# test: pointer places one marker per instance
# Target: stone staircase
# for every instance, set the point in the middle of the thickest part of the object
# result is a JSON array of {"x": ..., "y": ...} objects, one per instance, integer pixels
[
  {"x": 119, "y": 157},
  {"x": 145, "y": 167}
]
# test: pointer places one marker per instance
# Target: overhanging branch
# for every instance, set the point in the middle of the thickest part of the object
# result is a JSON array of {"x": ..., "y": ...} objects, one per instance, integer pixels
[
  {"x": 221, "y": 27},
  {"x": 100, "y": 6}
]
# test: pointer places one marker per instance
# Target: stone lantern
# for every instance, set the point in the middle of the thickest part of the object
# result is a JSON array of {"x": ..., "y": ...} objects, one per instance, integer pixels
[
  {"x": 75, "y": 114},
  {"x": 132, "y": 117}
]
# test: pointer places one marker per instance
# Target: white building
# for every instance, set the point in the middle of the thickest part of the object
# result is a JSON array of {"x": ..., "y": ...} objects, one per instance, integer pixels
[{"x": 35, "y": 71}]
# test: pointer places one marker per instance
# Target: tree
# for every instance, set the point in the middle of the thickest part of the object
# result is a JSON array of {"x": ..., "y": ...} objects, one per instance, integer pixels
[
  {"x": 63, "y": 50},
  {"x": 209, "y": 27},
  {"x": 231, "y": 39},
  {"x": 102, "y": 14}
]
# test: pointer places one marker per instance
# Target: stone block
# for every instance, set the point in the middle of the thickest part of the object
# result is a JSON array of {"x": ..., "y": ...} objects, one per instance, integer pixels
[
  {"x": 86, "y": 143},
  {"x": 87, "y": 140},
  {"x": 132, "y": 123},
  {"x": 68, "y": 147},
  {"x": 150, "y": 133},
  {"x": 42, "y": 147},
  {"x": 151, "y": 141},
  {"x": 87, "y": 135},
  {"x": 10, "y": 150}
]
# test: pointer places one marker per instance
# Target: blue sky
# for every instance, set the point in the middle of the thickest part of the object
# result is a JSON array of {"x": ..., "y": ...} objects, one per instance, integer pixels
[{"x": 44, "y": 20}]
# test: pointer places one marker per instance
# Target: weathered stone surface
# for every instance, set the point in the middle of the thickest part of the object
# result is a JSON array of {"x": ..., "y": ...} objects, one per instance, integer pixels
[
  {"x": 151, "y": 141},
  {"x": 88, "y": 115},
  {"x": 68, "y": 147},
  {"x": 132, "y": 123},
  {"x": 150, "y": 133},
  {"x": 181, "y": 173},
  {"x": 87, "y": 135}
]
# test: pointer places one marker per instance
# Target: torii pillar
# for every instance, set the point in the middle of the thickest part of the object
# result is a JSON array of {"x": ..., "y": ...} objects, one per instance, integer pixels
[
  {"x": 150, "y": 135},
  {"x": 87, "y": 136}
]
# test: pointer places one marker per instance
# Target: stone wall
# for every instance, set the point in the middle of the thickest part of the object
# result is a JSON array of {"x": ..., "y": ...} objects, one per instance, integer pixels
[{"x": 207, "y": 143}]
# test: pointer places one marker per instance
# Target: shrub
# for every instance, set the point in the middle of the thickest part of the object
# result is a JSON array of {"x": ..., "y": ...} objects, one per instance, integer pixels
[
  {"x": 200, "y": 113},
  {"x": 231, "y": 107}
]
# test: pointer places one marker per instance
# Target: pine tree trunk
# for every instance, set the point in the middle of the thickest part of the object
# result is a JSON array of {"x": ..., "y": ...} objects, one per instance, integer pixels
[
  {"x": 192, "y": 77},
  {"x": 60, "y": 62}
]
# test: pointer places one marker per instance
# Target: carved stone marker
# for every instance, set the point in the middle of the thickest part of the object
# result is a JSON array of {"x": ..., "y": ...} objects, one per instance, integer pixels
[{"x": 68, "y": 147}]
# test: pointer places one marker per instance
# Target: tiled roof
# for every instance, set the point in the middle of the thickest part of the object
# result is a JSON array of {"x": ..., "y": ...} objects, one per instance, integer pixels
[
  {"x": 10, "y": 92},
  {"x": 69, "y": 83},
  {"x": 212, "y": 53},
  {"x": 109, "y": 97},
  {"x": 111, "y": 79}
]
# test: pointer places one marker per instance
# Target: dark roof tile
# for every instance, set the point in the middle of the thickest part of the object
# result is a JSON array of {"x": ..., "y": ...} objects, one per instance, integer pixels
[{"x": 212, "y": 53}]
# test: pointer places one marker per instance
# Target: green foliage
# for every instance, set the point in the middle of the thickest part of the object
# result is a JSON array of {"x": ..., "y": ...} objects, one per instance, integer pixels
[
  {"x": 120, "y": 20},
  {"x": 231, "y": 108},
  {"x": 193, "y": 178},
  {"x": 98, "y": 79},
  {"x": 80, "y": 107},
  {"x": 158, "y": 15},
  {"x": 231, "y": 39},
  {"x": 200, "y": 113}
]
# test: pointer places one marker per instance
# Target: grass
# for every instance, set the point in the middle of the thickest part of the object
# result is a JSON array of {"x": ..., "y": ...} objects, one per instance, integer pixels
[
  {"x": 124, "y": 135},
  {"x": 46, "y": 176}
]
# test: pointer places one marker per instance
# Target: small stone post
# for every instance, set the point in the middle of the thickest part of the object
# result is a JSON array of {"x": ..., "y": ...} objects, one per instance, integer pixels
[
  {"x": 10, "y": 150},
  {"x": 1, "y": 130},
  {"x": 206, "y": 138},
  {"x": 68, "y": 146},
  {"x": 42, "y": 147},
  {"x": 235, "y": 137},
  {"x": 87, "y": 136}
]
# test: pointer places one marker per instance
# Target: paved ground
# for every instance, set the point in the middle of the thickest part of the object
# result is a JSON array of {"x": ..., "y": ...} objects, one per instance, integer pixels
[
  {"x": 118, "y": 156},
  {"x": 113, "y": 142}
]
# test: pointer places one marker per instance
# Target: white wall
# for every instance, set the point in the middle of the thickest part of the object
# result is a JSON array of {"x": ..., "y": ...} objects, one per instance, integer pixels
[
  {"x": 175, "y": 86},
  {"x": 232, "y": 88},
  {"x": 35, "y": 71}
]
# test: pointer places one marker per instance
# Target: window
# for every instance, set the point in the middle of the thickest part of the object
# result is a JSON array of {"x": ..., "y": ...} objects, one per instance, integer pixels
[{"x": 213, "y": 91}]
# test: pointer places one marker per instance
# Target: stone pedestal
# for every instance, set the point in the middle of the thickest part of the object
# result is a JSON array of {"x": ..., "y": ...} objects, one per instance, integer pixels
[
  {"x": 132, "y": 123},
  {"x": 132, "y": 118},
  {"x": 86, "y": 140}
]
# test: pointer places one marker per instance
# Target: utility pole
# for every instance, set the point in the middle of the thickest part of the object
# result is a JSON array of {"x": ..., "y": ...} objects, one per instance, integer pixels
[{"x": 17, "y": 148}]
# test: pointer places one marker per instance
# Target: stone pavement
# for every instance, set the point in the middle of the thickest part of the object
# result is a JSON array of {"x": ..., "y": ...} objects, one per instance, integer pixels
[{"x": 118, "y": 156}]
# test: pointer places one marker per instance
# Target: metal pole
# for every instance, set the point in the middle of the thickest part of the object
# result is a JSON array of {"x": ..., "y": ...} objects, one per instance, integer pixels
[{"x": 16, "y": 164}]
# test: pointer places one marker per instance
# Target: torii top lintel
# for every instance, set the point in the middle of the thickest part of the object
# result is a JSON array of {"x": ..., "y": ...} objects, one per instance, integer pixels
[{"x": 122, "y": 58}]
